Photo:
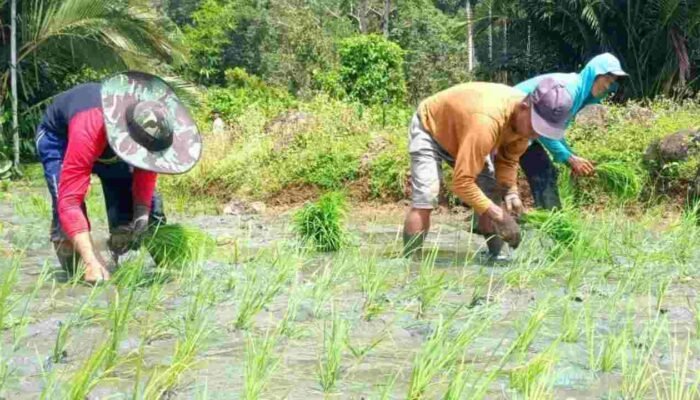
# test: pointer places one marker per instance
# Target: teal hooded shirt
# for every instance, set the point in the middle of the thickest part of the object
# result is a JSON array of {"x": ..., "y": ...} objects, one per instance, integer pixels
[{"x": 579, "y": 86}]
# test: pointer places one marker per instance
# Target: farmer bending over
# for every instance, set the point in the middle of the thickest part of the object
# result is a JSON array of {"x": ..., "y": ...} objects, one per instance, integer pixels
[
  {"x": 125, "y": 130},
  {"x": 596, "y": 80},
  {"x": 463, "y": 126}
]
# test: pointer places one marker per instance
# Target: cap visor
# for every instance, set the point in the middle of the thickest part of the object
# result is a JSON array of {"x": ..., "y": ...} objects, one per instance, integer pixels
[
  {"x": 546, "y": 128},
  {"x": 619, "y": 73}
]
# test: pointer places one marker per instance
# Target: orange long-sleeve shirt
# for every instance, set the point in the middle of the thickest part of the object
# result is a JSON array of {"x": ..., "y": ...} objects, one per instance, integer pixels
[{"x": 470, "y": 121}]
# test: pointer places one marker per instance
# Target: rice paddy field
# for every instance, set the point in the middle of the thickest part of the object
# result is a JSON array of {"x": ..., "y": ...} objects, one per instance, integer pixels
[{"x": 612, "y": 311}]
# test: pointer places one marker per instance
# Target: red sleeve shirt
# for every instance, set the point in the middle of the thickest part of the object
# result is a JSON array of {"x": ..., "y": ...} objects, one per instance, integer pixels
[{"x": 87, "y": 140}]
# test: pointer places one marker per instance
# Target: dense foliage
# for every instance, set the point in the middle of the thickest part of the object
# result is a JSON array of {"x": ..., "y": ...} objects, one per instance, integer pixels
[{"x": 276, "y": 53}]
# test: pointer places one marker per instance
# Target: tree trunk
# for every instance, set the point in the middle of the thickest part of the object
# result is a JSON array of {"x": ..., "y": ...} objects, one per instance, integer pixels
[
  {"x": 490, "y": 34},
  {"x": 385, "y": 18},
  {"x": 529, "y": 37},
  {"x": 13, "y": 80},
  {"x": 362, "y": 11},
  {"x": 505, "y": 38},
  {"x": 470, "y": 38}
]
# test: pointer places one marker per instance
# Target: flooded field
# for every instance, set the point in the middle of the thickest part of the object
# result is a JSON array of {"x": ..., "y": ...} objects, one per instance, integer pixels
[{"x": 615, "y": 316}]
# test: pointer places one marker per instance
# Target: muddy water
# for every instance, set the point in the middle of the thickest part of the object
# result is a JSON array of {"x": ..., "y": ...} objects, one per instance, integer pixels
[{"x": 219, "y": 369}]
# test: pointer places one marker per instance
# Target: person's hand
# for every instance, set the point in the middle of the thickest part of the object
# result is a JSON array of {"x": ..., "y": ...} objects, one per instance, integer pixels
[
  {"x": 96, "y": 270},
  {"x": 508, "y": 229},
  {"x": 513, "y": 203},
  {"x": 580, "y": 166},
  {"x": 495, "y": 213},
  {"x": 139, "y": 224}
]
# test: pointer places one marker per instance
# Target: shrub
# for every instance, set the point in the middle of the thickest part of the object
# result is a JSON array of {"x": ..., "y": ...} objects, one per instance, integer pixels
[
  {"x": 387, "y": 174},
  {"x": 372, "y": 69}
]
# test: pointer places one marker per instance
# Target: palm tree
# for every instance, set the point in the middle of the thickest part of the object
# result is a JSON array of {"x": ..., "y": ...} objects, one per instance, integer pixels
[
  {"x": 651, "y": 37},
  {"x": 65, "y": 35}
]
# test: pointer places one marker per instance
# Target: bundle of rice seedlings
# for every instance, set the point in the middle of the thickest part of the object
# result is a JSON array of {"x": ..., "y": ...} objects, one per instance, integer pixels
[
  {"x": 177, "y": 245},
  {"x": 559, "y": 225},
  {"x": 619, "y": 179},
  {"x": 321, "y": 223}
]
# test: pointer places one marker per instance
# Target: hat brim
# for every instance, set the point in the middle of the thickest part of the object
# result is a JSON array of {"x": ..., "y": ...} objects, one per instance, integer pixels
[
  {"x": 123, "y": 90},
  {"x": 619, "y": 73},
  {"x": 545, "y": 128}
]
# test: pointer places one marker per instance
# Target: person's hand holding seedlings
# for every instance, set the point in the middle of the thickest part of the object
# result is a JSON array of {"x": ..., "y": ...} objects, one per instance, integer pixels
[
  {"x": 504, "y": 225},
  {"x": 580, "y": 166}
]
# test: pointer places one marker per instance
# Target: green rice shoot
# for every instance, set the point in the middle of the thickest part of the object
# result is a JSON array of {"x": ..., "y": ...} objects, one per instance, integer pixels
[
  {"x": 558, "y": 225},
  {"x": 619, "y": 179},
  {"x": 176, "y": 245},
  {"x": 321, "y": 224}
]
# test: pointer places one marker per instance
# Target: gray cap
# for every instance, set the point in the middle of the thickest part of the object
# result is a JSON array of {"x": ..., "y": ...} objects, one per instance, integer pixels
[{"x": 551, "y": 107}]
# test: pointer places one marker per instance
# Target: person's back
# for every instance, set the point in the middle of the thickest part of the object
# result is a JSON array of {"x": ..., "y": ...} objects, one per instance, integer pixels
[
  {"x": 70, "y": 103},
  {"x": 449, "y": 115}
]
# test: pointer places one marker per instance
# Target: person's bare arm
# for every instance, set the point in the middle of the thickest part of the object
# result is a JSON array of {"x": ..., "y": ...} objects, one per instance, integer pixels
[{"x": 95, "y": 267}]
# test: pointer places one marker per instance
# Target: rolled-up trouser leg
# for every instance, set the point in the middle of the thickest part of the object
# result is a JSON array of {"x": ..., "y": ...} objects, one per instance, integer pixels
[
  {"x": 542, "y": 177},
  {"x": 426, "y": 177}
]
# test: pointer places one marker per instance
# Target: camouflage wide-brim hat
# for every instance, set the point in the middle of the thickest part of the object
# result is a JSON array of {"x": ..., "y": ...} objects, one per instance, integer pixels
[{"x": 147, "y": 125}]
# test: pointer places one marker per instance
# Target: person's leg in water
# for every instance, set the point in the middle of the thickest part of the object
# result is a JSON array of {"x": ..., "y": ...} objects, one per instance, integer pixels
[
  {"x": 51, "y": 150},
  {"x": 541, "y": 176},
  {"x": 426, "y": 175}
]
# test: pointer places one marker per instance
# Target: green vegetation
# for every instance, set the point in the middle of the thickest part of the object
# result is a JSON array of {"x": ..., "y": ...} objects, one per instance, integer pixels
[
  {"x": 316, "y": 97},
  {"x": 321, "y": 224},
  {"x": 176, "y": 245},
  {"x": 300, "y": 322},
  {"x": 620, "y": 179}
]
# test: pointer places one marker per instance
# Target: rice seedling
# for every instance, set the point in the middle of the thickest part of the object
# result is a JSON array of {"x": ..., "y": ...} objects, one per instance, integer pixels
[
  {"x": 260, "y": 364},
  {"x": 429, "y": 286},
  {"x": 49, "y": 381},
  {"x": 261, "y": 286},
  {"x": 388, "y": 387},
  {"x": 90, "y": 373},
  {"x": 637, "y": 374},
  {"x": 165, "y": 380},
  {"x": 359, "y": 352},
  {"x": 440, "y": 351},
  {"x": 176, "y": 245},
  {"x": 610, "y": 355},
  {"x": 456, "y": 390},
  {"x": 8, "y": 279},
  {"x": 329, "y": 362},
  {"x": 197, "y": 305},
  {"x": 325, "y": 280},
  {"x": 4, "y": 371},
  {"x": 33, "y": 206},
  {"x": 528, "y": 331},
  {"x": 527, "y": 379},
  {"x": 661, "y": 293},
  {"x": 321, "y": 223},
  {"x": 120, "y": 312},
  {"x": 58, "y": 354},
  {"x": 559, "y": 225},
  {"x": 286, "y": 326},
  {"x": 695, "y": 308},
  {"x": 20, "y": 327},
  {"x": 620, "y": 179},
  {"x": 373, "y": 282},
  {"x": 570, "y": 325},
  {"x": 683, "y": 383}
]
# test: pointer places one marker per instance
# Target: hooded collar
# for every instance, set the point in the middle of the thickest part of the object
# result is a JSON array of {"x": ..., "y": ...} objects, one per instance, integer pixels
[{"x": 580, "y": 88}]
